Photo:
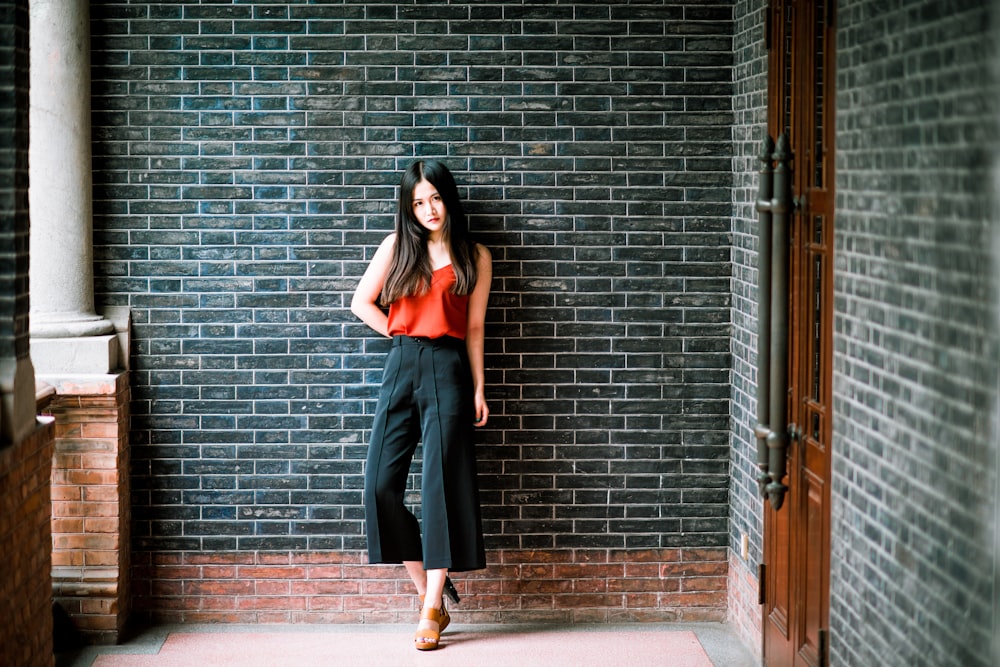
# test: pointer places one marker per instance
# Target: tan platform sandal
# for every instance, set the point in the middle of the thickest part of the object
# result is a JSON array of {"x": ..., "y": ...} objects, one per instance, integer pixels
[
  {"x": 428, "y": 639},
  {"x": 445, "y": 616}
]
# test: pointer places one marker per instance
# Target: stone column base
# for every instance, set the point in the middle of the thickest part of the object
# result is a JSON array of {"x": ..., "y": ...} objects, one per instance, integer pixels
[
  {"x": 90, "y": 354},
  {"x": 90, "y": 503}
]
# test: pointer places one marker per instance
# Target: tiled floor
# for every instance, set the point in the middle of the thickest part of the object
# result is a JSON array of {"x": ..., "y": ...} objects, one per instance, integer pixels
[{"x": 667, "y": 645}]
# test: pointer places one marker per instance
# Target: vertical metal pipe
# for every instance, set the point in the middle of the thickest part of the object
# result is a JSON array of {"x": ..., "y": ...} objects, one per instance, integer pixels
[
  {"x": 765, "y": 190},
  {"x": 777, "y": 439}
]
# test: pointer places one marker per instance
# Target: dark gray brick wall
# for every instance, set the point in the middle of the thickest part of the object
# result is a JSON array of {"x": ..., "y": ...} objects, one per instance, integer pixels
[
  {"x": 246, "y": 157},
  {"x": 14, "y": 180},
  {"x": 916, "y": 341},
  {"x": 750, "y": 124}
]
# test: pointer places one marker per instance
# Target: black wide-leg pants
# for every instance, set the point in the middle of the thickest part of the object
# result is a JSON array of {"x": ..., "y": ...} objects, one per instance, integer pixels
[{"x": 427, "y": 396}]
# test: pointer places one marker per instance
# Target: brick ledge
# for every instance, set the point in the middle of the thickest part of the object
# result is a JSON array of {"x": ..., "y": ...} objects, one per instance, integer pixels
[{"x": 596, "y": 586}]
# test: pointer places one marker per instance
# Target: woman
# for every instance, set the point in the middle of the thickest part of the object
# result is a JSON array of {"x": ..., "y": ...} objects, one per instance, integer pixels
[{"x": 436, "y": 282}]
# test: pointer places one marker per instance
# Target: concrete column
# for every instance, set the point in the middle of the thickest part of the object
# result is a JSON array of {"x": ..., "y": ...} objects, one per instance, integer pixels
[{"x": 67, "y": 335}]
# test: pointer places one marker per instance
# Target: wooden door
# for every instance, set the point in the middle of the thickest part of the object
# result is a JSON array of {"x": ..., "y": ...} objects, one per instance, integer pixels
[{"x": 796, "y": 578}]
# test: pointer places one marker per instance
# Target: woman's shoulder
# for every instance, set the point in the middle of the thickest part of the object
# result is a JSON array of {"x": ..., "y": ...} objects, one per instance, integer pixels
[
  {"x": 387, "y": 247},
  {"x": 481, "y": 253}
]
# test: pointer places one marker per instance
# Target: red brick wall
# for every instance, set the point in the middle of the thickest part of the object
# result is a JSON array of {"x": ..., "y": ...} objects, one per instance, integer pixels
[
  {"x": 518, "y": 586},
  {"x": 25, "y": 581},
  {"x": 90, "y": 508}
]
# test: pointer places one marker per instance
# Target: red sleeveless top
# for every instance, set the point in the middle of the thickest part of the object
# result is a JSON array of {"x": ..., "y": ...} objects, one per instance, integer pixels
[{"x": 434, "y": 313}]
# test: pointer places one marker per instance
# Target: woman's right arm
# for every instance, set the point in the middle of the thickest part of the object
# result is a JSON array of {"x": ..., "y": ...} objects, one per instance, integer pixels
[{"x": 365, "y": 301}]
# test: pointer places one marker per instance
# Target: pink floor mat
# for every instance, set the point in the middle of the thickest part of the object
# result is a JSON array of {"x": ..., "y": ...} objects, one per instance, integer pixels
[{"x": 394, "y": 646}]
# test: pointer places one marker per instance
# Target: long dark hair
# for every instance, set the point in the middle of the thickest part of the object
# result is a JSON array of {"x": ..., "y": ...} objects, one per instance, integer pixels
[{"x": 410, "y": 269}]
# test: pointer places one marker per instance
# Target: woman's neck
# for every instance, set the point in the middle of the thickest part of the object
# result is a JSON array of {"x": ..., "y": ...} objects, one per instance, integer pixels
[{"x": 439, "y": 251}]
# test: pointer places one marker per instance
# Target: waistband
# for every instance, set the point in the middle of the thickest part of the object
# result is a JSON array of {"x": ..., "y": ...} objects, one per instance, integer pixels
[{"x": 443, "y": 341}]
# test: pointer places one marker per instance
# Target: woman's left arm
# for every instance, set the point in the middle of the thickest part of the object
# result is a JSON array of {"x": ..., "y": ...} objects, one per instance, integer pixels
[{"x": 476, "y": 331}]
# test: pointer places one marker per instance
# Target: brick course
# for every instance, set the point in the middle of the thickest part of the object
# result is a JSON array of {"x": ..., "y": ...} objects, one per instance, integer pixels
[
  {"x": 246, "y": 157},
  {"x": 587, "y": 586}
]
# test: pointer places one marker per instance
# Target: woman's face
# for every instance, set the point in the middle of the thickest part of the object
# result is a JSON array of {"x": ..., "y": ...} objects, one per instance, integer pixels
[{"x": 428, "y": 207}]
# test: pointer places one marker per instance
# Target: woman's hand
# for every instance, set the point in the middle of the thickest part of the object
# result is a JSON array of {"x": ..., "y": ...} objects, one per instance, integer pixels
[{"x": 482, "y": 412}]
